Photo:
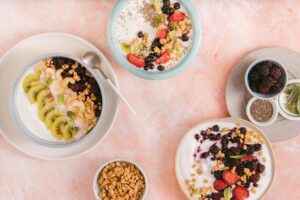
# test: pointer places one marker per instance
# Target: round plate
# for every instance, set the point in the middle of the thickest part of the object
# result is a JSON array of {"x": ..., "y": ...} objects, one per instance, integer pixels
[
  {"x": 237, "y": 95},
  {"x": 184, "y": 156},
  {"x": 19, "y": 56},
  {"x": 183, "y": 64}
]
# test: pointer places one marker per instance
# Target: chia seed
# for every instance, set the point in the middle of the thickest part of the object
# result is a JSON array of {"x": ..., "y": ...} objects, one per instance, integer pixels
[{"x": 261, "y": 110}]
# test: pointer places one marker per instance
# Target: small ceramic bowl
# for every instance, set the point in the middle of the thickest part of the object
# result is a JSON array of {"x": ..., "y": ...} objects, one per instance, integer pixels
[
  {"x": 265, "y": 96},
  {"x": 281, "y": 101},
  {"x": 186, "y": 60},
  {"x": 96, "y": 187},
  {"x": 266, "y": 123}
]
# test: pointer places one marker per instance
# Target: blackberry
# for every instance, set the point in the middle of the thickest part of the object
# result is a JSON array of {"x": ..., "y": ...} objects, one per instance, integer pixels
[
  {"x": 215, "y": 128},
  {"x": 264, "y": 69},
  {"x": 260, "y": 168},
  {"x": 65, "y": 74},
  {"x": 254, "y": 75},
  {"x": 257, "y": 147},
  {"x": 218, "y": 174},
  {"x": 255, "y": 185},
  {"x": 176, "y": 5},
  {"x": 276, "y": 73},
  {"x": 240, "y": 170},
  {"x": 204, "y": 155},
  {"x": 166, "y": 2},
  {"x": 233, "y": 151},
  {"x": 250, "y": 149},
  {"x": 214, "y": 137},
  {"x": 276, "y": 88},
  {"x": 216, "y": 196},
  {"x": 231, "y": 162},
  {"x": 254, "y": 178},
  {"x": 214, "y": 149},
  {"x": 263, "y": 89},
  {"x": 81, "y": 71},
  {"x": 59, "y": 61},
  {"x": 247, "y": 185},
  {"x": 268, "y": 81},
  {"x": 92, "y": 80},
  {"x": 243, "y": 130},
  {"x": 197, "y": 136},
  {"x": 224, "y": 141}
]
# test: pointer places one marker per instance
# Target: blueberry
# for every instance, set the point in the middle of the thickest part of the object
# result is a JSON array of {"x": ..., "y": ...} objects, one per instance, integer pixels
[
  {"x": 140, "y": 34},
  {"x": 215, "y": 128},
  {"x": 177, "y": 6},
  {"x": 184, "y": 38},
  {"x": 149, "y": 59},
  {"x": 146, "y": 68},
  {"x": 149, "y": 65},
  {"x": 160, "y": 68}
]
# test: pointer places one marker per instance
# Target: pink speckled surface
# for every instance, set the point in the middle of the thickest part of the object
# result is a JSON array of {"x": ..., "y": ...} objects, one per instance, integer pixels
[{"x": 166, "y": 109}]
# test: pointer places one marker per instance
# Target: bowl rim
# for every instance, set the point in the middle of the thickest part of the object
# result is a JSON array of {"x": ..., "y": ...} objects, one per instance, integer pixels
[
  {"x": 22, "y": 127},
  {"x": 283, "y": 112},
  {"x": 96, "y": 187},
  {"x": 253, "y": 64},
  {"x": 185, "y": 61},
  {"x": 270, "y": 121}
]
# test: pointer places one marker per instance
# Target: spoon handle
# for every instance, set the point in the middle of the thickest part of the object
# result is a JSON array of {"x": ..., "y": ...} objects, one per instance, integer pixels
[{"x": 116, "y": 90}]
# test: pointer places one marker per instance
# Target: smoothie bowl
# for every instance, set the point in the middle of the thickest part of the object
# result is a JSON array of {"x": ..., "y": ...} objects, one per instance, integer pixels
[
  {"x": 57, "y": 100},
  {"x": 154, "y": 39}
]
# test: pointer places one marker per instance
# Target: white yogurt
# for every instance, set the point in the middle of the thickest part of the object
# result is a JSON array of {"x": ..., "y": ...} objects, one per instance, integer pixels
[{"x": 185, "y": 161}]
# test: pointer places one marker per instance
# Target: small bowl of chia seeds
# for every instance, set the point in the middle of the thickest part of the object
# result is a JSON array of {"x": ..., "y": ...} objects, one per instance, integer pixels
[{"x": 262, "y": 112}]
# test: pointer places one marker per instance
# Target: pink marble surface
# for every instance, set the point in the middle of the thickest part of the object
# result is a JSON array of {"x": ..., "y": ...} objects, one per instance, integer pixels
[{"x": 166, "y": 109}]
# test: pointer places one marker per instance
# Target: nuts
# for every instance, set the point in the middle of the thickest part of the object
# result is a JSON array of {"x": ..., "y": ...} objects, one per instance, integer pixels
[{"x": 121, "y": 180}]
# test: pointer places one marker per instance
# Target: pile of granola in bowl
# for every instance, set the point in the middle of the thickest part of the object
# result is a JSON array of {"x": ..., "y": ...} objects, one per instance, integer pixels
[{"x": 57, "y": 100}]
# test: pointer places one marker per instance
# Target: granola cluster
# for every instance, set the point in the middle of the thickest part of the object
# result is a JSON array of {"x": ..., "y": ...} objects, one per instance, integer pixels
[{"x": 121, "y": 181}]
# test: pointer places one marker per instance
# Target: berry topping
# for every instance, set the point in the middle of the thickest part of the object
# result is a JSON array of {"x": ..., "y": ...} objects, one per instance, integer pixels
[
  {"x": 138, "y": 62},
  {"x": 140, "y": 34},
  {"x": 276, "y": 73},
  {"x": 176, "y": 16},
  {"x": 248, "y": 158},
  {"x": 220, "y": 185},
  {"x": 176, "y": 5},
  {"x": 240, "y": 193},
  {"x": 230, "y": 176},
  {"x": 165, "y": 57},
  {"x": 160, "y": 68}
]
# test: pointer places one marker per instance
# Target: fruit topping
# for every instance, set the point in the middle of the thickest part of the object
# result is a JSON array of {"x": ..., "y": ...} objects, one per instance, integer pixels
[
  {"x": 230, "y": 176},
  {"x": 162, "y": 33},
  {"x": 220, "y": 185},
  {"x": 176, "y": 16},
  {"x": 165, "y": 57},
  {"x": 138, "y": 62},
  {"x": 240, "y": 193}
]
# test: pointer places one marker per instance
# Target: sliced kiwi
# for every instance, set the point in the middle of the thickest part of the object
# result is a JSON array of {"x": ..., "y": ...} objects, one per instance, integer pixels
[
  {"x": 156, "y": 5},
  {"x": 44, "y": 97},
  {"x": 45, "y": 110},
  {"x": 58, "y": 126},
  {"x": 69, "y": 131},
  {"x": 29, "y": 81},
  {"x": 34, "y": 91},
  {"x": 125, "y": 46},
  {"x": 51, "y": 116}
]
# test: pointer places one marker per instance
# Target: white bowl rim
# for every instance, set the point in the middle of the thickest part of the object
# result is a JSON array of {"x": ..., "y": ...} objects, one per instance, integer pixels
[
  {"x": 270, "y": 121},
  {"x": 283, "y": 112},
  {"x": 23, "y": 129},
  {"x": 253, "y": 64},
  {"x": 95, "y": 180}
]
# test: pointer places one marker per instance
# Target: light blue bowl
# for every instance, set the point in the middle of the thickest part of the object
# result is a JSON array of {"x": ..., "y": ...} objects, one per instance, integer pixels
[
  {"x": 23, "y": 127},
  {"x": 182, "y": 65}
]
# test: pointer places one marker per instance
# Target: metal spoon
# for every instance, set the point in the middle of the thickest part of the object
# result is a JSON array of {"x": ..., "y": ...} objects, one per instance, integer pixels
[{"x": 92, "y": 59}]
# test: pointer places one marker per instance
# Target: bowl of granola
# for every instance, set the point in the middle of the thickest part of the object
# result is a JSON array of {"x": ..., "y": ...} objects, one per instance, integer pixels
[
  {"x": 154, "y": 39},
  {"x": 57, "y": 100},
  {"x": 120, "y": 179},
  {"x": 225, "y": 159}
]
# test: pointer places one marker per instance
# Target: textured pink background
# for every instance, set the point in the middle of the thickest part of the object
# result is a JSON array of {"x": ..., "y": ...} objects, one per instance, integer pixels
[{"x": 167, "y": 109}]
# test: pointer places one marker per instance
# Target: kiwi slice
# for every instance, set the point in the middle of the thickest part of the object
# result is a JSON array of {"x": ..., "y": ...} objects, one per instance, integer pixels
[
  {"x": 69, "y": 131},
  {"x": 51, "y": 117},
  {"x": 156, "y": 5},
  {"x": 125, "y": 46},
  {"x": 29, "y": 81},
  {"x": 58, "y": 126},
  {"x": 34, "y": 91},
  {"x": 44, "y": 97},
  {"x": 45, "y": 110}
]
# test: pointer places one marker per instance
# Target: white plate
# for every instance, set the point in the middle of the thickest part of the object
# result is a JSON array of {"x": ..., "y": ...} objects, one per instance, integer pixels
[
  {"x": 184, "y": 156},
  {"x": 17, "y": 57}
]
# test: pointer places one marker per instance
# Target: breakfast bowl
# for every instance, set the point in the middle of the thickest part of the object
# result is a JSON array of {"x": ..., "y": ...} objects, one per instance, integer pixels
[
  {"x": 289, "y": 101},
  {"x": 266, "y": 78},
  {"x": 120, "y": 173},
  {"x": 57, "y": 101},
  {"x": 262, "y": 112},
  {"x": 154, "y": 39}
]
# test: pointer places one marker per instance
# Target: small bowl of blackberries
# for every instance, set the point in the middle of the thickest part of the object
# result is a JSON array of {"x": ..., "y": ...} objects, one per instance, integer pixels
[{"x": 266, "y": 78}]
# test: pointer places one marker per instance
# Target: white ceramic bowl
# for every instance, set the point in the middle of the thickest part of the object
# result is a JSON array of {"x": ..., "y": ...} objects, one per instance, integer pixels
[
  {"x": 281, "y": 100},
  {"x": 265, "y": 96},
  {"x": 267, "y": 123},
  {"x": 96, "y": 187},
  {"x": 42, "y": 135}
]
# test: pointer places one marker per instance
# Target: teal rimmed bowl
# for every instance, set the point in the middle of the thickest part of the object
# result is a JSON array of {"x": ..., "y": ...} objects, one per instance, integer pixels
[{"x": 179, "y": 67}]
